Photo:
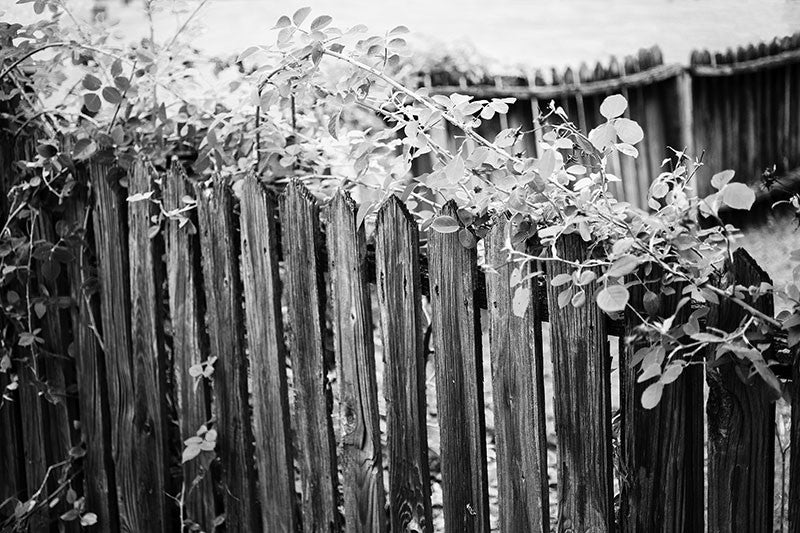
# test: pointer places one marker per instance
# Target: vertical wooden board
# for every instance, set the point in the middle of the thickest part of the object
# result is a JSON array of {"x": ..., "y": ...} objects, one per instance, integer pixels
[
  {"x": 399, "y": 291},
  {"x": 656, "y": 138},
  {"x": 56, "y": 359},
  {"x": 795, "y": 115},
  {"x": 705, "y": 124},
  {"x": 34, "y": 433},
  {"x": 581, "y": 371},
  {"x": 111, "y": 248},
  {"x": 223, "y": 288},
  {"x": 685, "y": 116},
  {"x": 786, "y": 117},
  {"x": 750, "y": 118},
  {"x": 12, "y": 483},
  {"x": 638, "y": 113},
  {"x": 794, "y": 457},
  {"x": 189, "y": 341},
  {"x": 741, "y": 428},
  {"x": 149, "y": 429},
  {"x": 662, "y": 448},
  {"x": 518, "y": 386},
  {"x": 627, "y": 167},
  {"x": 92, "y": 380},
  {"x": 763, "y": 119},
  {"x": 459, "y": 381},
  {"x": 730, "y": 127},
  {"x": 262, "y": 296},
  {"x": 360, "y": 457},
  {"x": 316, "y": 448}
]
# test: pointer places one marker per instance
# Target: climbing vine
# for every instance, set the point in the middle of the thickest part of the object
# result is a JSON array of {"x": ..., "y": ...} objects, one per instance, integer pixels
[{"x": 340, "y": 107}]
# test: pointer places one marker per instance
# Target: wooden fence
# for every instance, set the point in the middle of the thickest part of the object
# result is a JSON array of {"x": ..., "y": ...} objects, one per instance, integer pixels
[
  {"x": 738, "y": 109},
  {"x": 297, "y": 307}
]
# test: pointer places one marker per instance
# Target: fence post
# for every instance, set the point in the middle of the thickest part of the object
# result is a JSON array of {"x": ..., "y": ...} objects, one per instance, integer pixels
[
  {"x": 91, "y": 377},
  {"x": 399, "y": 295},
  {"x": 518, "y": 389},
  {"x": 262, "y": 296},
  {"x": 741, "y": 427},
  {"x": 189, "y": 340},
  {"x": 459, "y": 381},
  {"x": 111, "y": 247},
  {"x": 150, "y": 447},
  {"x": 364, "y": 499},
  {"x": 316, "y": 448},
  {"x": 12, "y": 483},
  {"x": 794, "y": 446},
  {"x": 581, "y": 371},
  {"x": 225, "y": 323},
  {"x": 662, "y": 448}
]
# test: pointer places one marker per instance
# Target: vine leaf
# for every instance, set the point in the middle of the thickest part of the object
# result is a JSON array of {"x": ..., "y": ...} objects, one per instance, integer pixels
[
  {"x": 445, "y": 224},
  {"x": 613, "y": 106},
  {"x": 652, "y": 395},
  {"x": 613, "y": 299},
  {"x": 738, "y": 196}
]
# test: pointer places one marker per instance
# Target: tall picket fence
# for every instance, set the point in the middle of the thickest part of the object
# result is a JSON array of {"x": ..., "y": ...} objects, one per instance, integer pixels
[
  {"x": 736, "y": 109},
  {"x": 293, "y": 302}
]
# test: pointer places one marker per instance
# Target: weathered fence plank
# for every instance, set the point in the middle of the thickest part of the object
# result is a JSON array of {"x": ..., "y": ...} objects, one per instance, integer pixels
[
  {"x": 224, "y": 319},
  {"x": 12, "y": 483},
  {"x": 794, "y": 443},
  {"x": 149, "y": 429},
  {"x": 662, "y": 448},
  {"x": 518, "y": 389},
  {"x": 316, "y": 449},
  {"x": 459, "y": 382},
  {"x": 57, "y": 363},
  {"x": 111, "y": 248},
  {"x": 189, "y": 340},
  {"x": 100, "y": 485},
  {"x": 262, "y": 296},
  {"x": 400, "y": 295},
  {"x": 581, "y": 371},
  {"x": 34, "y": 434},
  {"x": 364, "y": 499},
  {"x": 741, "y": 427}
]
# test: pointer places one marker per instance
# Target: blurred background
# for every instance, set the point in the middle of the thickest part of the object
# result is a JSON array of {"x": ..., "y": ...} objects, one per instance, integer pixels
[{"x": 509, "y": 34}]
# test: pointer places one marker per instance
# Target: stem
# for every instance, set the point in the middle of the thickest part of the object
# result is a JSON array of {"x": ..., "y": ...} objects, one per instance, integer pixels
[{"x": 185, "y": 24}]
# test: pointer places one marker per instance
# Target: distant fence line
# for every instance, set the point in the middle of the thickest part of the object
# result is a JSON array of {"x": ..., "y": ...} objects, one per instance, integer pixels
[{"x": 739, "y": 108}]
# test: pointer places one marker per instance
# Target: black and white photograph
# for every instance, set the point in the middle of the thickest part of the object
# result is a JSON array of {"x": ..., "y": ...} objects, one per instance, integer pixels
[{"x": 443, "y": 266}]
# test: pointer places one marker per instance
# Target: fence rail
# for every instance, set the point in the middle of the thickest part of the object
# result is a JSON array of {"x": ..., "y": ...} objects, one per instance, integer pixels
[
  {"x": 738, "y": 109},
  {"x": 283, "y": 287}
]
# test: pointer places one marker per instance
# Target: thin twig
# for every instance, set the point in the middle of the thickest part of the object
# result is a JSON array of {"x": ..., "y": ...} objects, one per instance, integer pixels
[{"x": 185, "y": 24}]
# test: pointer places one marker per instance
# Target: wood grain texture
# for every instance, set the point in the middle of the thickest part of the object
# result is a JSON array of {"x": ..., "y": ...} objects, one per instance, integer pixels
[
  {"x": 55, "y": 362},
  {"x": 111, "y": 248},
  {"x": 459, "y": 382},
  {"x": 189, "y": 339},
  {"x": 518, "y": 391},
  {"x": 360, "y": 456},
  {"x": 149, "y": 429},
  {"x": 400, "y": 296},
  {"x": 794, "y": 464},
  {"x": 316, "y": 448},
  {"x": 223, "y": 288},
  {"x": 741, "y": 427},
  {"x": 12, "y": 483},
  {"x": 581, "y": 371},
  {"x": 92, "y": 380},
  {"x": 262, "y": 296},
  {"x": 34, "y": 433},
  {"x": 662, "y": 448}
]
